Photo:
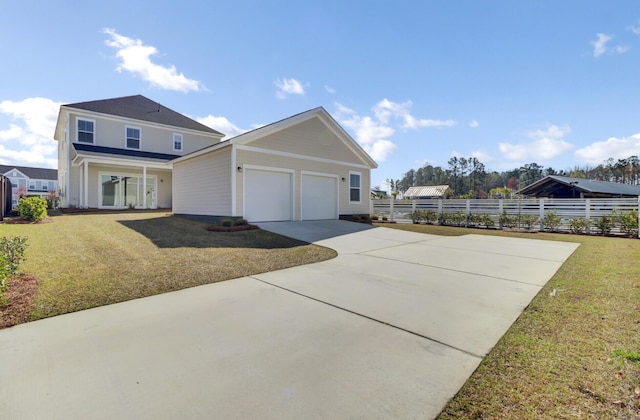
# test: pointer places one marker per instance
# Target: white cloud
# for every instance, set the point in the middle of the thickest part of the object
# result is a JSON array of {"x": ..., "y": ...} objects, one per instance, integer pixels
[
  {"x": 288, "y": 87},
  {"x": 386, "y": 109},
  {"x": 329, "y": 89},
  {"x": 634, "y": 29},
  {"x": 135, "y": 57},
  {"x": 617, "y": 148},
  {"x": 600, "y": 46},
  {"x": 372, "y": 135},
  {"x": 474, "y": 124},
  {"x": 28, "y": 141},
  {"x": 544, "y": 144},
  {"x": 222, "y": 124}
]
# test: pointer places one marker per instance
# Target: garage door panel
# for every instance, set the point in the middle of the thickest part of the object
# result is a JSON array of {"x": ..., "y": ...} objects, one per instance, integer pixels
[
  {"x": 267, "y": 195},
  {"x": 319, "y": 197}
]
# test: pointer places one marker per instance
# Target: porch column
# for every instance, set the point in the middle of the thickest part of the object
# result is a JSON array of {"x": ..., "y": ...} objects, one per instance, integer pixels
[
  {"x": 85, "y": 196},
  {"x": 144, "y": 187},
  {"x": 80, "y": 188}
]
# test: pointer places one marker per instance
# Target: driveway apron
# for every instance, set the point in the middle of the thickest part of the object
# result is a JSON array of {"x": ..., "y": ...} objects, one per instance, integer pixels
[{"x": 391, "y": 328}]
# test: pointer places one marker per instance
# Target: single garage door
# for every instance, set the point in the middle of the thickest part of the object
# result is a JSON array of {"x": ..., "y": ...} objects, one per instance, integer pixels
[
  {"x": 319, "y": 197},
  {"x": 267, "y": 195}
]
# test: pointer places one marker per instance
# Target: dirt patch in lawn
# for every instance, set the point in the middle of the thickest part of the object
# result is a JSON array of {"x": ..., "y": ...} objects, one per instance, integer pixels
[{"x": 19, "y": 297}]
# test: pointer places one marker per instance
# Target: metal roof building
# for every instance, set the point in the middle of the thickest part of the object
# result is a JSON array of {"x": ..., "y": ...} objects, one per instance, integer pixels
[
  {"x": 430, "y": 191},
  {"x": 554, "y": 186}
]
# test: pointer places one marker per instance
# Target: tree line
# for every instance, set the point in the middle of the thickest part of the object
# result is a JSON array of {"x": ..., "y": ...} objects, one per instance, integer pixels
[{"x": 468, "y": 177}]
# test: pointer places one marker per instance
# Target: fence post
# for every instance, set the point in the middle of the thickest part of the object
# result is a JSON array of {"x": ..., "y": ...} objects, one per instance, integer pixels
[
  {"x": 439, "y": 207},
  {"x": 413, "y": 205},
  {"x": 541, "y": 201},
  {"x": 500, "y": 209},
  {"x": 391, "y": 209},
  {"x": 468, "y": 211},
  {"x": 587, "y": 211}
]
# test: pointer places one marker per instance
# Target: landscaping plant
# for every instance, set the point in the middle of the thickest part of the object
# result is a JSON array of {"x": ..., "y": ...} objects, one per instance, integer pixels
[
  {"x": 11, "y": 255},
  {"x": 551, "y": 221},
  {"x": 33, "y": 209}
]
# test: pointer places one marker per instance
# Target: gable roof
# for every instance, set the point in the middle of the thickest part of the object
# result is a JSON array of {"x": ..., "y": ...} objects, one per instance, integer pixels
[
  {"x": 32, "y": 173},
  {"x": 428, "y": 191},
  {"x": 564, "y": 185},
  {"x": 285, "y": 123},
  {"x": 138, "y": 107}
]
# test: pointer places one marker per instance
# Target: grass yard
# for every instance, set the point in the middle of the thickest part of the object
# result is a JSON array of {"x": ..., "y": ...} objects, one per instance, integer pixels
[
  {"x": 572, "y": 355},
  {"x": 88, "y": 260}
]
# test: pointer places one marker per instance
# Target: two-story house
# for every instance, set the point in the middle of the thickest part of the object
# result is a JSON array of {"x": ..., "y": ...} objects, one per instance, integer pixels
[
  {"x": 115, "y": 153},
  {"x": 132, "y": 152},
  {"x": 30, "y": 181}
]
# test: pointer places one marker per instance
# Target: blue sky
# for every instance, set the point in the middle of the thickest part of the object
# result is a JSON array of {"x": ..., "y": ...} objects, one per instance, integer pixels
[{"x": 551, "y": 82}]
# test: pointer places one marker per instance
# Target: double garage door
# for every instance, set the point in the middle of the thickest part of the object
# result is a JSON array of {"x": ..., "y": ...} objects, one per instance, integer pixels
[{"x": 269, "y": 196}]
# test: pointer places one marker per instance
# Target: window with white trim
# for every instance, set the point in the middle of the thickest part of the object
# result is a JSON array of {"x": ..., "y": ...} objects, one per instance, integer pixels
[
  {"x": 133, "y": 138},
  {"x": 86, "y": 131},
  {"x": 177, "y": 142},
  {"x": 354, "y": 187},
  {"x": 32, "y": 184}
]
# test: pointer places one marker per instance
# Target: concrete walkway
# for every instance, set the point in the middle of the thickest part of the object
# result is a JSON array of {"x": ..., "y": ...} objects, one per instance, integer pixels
[{"x": 391, "y": 328}]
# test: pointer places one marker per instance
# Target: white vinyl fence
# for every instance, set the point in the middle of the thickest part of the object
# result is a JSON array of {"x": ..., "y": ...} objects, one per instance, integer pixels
[{"x": 590, "y": 209}]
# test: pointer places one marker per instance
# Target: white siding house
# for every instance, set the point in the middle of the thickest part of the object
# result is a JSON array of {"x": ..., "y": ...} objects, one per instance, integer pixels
[
  {"x": 305, "y": 167},
  {"x": 116, "y": 153}
]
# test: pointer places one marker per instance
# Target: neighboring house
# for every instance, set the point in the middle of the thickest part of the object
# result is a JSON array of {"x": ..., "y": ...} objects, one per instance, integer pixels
[
  {"x": 115, "y": 153},
  {"x": 554, "y": 186},
  {"x": 430, "y": 191},
  {"x": 378, "y": 194},
  {"x": 305, "y": 167},
  {"x": 29, "y": 181}
]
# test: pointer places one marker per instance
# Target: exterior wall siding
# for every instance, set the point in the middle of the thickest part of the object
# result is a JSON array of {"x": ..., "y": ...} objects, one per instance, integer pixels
[
  {"x": 202, "y": 185},
  {"x": 310, "y": 138},
  {"x": 298, "y": 165},
  {"x": 158, "y": 139}
]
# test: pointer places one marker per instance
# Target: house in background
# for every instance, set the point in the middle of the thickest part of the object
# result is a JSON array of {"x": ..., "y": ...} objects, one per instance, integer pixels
[
  {"x": 554, "y": 186},
  {"x": 429, "y": 191},
  {"x": 29, "y": 181},
  {"x": 115, "y": 153},
  {"x": 305, "y": 167}
]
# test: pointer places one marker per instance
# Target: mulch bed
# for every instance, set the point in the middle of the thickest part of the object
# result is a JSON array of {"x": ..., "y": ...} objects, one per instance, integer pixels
[
  {"x": 19, "y": 297},
  {"x": 218, "y": 228}
]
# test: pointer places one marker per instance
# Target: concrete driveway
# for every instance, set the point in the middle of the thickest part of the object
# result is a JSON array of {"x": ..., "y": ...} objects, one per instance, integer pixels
[{"x": 391, "y": 328}]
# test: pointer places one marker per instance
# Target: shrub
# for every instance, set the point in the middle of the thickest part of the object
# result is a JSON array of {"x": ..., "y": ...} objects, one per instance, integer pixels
[
  {"x": 355, "y": 217},
  {"x": 241, "y": 222},
  {"x": 374, "y": 217},
  {"x": 385, "y": 218},
  {"x": 605, "y": 224},
  {"x": 629, "y": 222},
  {"x": 487, "y": 220},
  {"x": 430, "y": 217},
  {"x": 551, "y": 221},
  {"x": 506, "y": 220},
  {"x": 578, "y": 225},
  {"x": 416, "y": 216},
  {"x": 11, "y": 255},
  {"x": 459, "y": 218},
  {"x": 32, "y": 209},
  {"x": 226, "y": 222},
  {"x": 528, "y": 220}
]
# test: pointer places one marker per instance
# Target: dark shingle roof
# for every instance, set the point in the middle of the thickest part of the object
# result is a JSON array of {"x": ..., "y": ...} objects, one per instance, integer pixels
[
  {"x": 32, "y": 173},
  {"x": 141, "y": 108},
  {"x": 80, "y": 147},
  {"x": 553, "y": 183}
]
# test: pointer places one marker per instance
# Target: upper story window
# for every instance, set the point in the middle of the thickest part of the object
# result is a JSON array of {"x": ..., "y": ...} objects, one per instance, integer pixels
[
  {"x": 133, "y": 138},
  {"x": 177, "y": 142},
  {"x": 32, "y": 185},
  {"x": 354, "y": 187},
  {"x": 86, "y": 131}
]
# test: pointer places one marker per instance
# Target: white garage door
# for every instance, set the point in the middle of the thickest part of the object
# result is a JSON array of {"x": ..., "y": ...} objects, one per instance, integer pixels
[
  {"x": 319, "y": 197},
  {"x": 267, "y": 195}
]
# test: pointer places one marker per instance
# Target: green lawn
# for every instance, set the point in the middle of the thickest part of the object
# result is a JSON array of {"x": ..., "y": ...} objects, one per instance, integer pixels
[
  {"x": 572, "y": 355},
  {"x": 88, "y": 260}
]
